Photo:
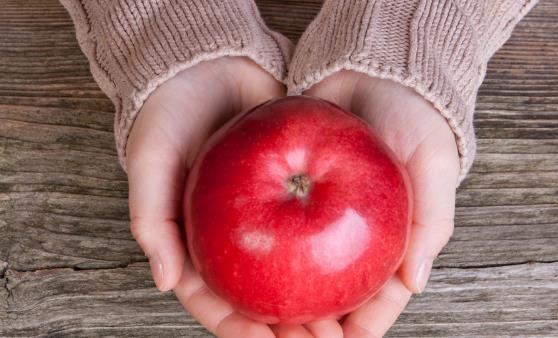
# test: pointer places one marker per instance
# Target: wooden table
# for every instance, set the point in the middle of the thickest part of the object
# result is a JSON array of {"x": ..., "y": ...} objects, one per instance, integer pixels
[{"x": 69, "y": 266}]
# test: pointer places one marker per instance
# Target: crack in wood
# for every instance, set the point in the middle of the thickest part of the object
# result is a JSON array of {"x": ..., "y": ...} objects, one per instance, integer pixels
[
  {"x": 6, "y": 264},
  {"x": 117, "y": 265},
  {"x": 4, "y": 272},
  {"x": 489, "y": 266},
  {"x": 9, "y": 293},
  {"x": 96, "y": 329},
  {"x": 3, "y": 267},
  {"x": 4, "y": 276}
]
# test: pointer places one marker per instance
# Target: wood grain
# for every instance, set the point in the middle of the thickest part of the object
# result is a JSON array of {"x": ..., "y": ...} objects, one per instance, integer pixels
[
  {"x": 70, "y": 267},
  {"x": 126, "y": 298},
  {"x": 519, "y": 300}
]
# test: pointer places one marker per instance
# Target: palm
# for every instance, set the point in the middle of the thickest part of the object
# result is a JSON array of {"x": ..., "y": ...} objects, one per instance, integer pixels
[{"x": 422, "y": 140}]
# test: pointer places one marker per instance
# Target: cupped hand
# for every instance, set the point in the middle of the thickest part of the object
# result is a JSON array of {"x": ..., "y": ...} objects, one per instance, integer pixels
[
  {"x": 424, "y": 143},
  {"x": 174, "y": 122}
]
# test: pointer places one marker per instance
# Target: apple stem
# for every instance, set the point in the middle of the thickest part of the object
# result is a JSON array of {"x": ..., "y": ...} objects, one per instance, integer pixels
[{"x": 299, "y": 185}]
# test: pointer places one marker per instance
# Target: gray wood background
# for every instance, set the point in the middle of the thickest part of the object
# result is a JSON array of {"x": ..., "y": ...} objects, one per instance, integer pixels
[{"x": 69, "y": 266}]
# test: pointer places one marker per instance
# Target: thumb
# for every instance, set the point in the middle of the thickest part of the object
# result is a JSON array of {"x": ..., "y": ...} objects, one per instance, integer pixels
[
  {"x": 155, "y": 180},
  {"x": 433, "y": 171}
]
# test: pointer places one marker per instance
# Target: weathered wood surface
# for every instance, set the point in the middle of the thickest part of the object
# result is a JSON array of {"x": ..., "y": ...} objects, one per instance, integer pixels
[
  {"x": 69, "y": 266},
  {"x": 517, "y": 299}
]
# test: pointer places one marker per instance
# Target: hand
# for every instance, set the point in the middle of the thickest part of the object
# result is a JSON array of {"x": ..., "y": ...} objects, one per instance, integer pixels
[
  {"x": 424, "y": 143},
  {"x": 172, "y": 125},
  {"x": 174, "y": 122}
]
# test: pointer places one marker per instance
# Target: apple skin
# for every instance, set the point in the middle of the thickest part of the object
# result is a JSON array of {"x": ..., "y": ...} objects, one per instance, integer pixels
[{"x": 296, "y": 211}]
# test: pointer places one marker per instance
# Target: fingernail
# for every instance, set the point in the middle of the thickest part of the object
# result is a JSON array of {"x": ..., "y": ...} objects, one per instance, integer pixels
[
  {"x": 423, "y": 274},
  {"x": 157, "y": 270}
]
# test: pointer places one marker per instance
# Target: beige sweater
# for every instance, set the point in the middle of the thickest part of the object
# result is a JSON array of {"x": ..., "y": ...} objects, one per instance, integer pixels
[{"x": 440, "y": 48}]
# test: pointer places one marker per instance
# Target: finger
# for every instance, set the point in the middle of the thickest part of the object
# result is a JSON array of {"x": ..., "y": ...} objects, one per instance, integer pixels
[
  {"x": 327, "y": 328},
  {"x": 374, "y": 318},
  {"x": 433, "y": 171},
  {"x": 212, "y": 312},
  {"x": 238, "y": 326},
  {"x": 290, "y": 331}
]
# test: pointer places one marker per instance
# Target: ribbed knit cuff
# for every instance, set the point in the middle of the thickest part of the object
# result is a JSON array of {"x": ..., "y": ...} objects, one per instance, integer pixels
[
  {"x": 135, "y": 45},
  {"x": 438, "y": 48}
]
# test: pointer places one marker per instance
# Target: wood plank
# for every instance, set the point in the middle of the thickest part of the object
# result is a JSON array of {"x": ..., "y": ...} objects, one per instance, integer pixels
[
  {"x": 507, "y": 196},
  {"x": 64, "y": 302},
  {"x": 42, "y": 65},
  {"x": 474, "y": 246},
  {"x": 36, "y": 157},
  {"x": 47, "y": 133},
  {"x": 80, "y": 118},
  {"x": 517, "y": 146},
  {"x": 485, "y": 216},
  {"x": 518, "y": 299},
  {"x": 522, "y": 179},
  {"x": 51, "y": 229},
  {"x": 290, "y": 17},
  {"x": 490, "y": 162},
  {"x": 513, "y": 301}
]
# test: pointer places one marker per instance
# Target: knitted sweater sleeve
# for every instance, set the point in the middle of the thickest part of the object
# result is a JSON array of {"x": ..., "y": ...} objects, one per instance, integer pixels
[
  {"x": 135, "y": 45},
  {"x": 440, "y": 48}
]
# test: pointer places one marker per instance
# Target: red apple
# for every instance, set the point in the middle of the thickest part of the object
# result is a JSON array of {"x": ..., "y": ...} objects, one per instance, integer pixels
[{"x": 295, "y": 211}]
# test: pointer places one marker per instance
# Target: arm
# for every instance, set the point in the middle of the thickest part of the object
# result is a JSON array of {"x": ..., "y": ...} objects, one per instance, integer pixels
[
  {"x": 411, "y": 68},
  {"x": 438, "y": 48},
  {"x": 134, "y": 46}
]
